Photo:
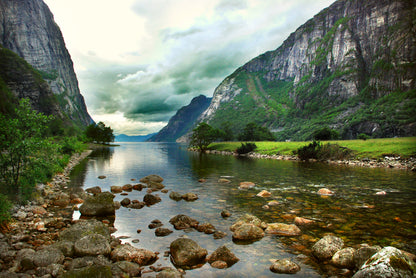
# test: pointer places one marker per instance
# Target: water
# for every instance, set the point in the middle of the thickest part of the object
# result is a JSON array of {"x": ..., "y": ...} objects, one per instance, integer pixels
[{"x": 355, "y": 213}]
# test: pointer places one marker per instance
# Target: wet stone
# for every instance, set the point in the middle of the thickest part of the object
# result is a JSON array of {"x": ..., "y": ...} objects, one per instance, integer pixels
[{"x": 285, "y": 266}]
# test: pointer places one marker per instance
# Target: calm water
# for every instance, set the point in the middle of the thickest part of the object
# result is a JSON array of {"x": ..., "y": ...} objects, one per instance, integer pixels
[{"x": 355, "y": 213}]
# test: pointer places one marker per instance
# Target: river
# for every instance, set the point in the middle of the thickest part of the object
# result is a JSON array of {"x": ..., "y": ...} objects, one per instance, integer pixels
[{"x": 356, "y": 213}]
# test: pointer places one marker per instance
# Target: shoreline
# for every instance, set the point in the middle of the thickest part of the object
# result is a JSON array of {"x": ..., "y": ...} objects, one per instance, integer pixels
[{"x": 386, "y": 162}]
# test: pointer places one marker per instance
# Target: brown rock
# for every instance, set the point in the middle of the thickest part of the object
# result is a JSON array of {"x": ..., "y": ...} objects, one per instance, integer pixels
[
  {"x": 264, "y": 194},
  {"x": 219, "y": 264},
  {"x": 282, "y": 229},
  {"x": 131, "y": 254},
  {"x": 325, "y": 191},
  {"x": 116, "y": 189},
  {"x": 246, "y": 185},
  {"x": 248, "y": 232},
  {"x": 223, "y": 254},
  {"x": 300, "y": 221},
  {"x": 93, "y": 190}
]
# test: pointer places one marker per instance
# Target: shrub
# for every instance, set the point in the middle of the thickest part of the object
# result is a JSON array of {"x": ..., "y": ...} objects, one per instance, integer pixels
[
  {"x": 363, "y": 136},
  {"x": 309, "y": 152},
  {"x": 246, "y": 148},
  {"x": 315, "y": 150},
  {"x": 5, "y": 207}
]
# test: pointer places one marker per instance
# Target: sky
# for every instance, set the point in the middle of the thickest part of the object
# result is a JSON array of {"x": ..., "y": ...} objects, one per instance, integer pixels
[{"x": 139, "y": 61}]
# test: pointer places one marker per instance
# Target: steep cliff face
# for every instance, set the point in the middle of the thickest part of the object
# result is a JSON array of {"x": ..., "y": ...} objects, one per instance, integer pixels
[
  {"x": 182, "y": 121},
  {"x": 27, "y": 28},
  {"x": 352, "y": 67}
]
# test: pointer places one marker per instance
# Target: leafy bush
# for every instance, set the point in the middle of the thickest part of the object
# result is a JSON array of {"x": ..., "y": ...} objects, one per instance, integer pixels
[
  {"x": 309, "y": 152},
  {"x": 99, "y": 133},
  {"x": 316, "y": 150},
  {"x": 363, "y": 136},
  {"x": 246, "y": 148}
]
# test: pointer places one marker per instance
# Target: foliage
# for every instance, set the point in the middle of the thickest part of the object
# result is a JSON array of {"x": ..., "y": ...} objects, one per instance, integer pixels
[
  {"x": 246, "y": 148},
  {"x": 202, "y": 136},
  {"x": 363, "y": 136},
  {"x": 225, "y": 132},
  {"x": 308, "y": 152},
  {"x": 325, "y": 134},
  {"x": 5, "y": 207},
  {"x": 254, "y": 132},
  {"x": 99, "y": 133},
  {"x": 316, "y": 150}
]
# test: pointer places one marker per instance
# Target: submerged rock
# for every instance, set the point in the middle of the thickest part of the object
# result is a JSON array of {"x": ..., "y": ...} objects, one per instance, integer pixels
[
  {"x": 362, "y": 254},
  {"x": 223, "y": 254},
  {"x": 175, "y": 196},
  {"x": 248, "y": 219},
  {"x": 225, "y": 213},
  {"x": 282, "y": 229},
  {"x": 182, "y": 222},
  {"x": 388, "y": 262},
  {"x": 151, "y": 178},
  {"x": 186, "y": 252},
  {"x": 264, "y": 194},
  {"x": 190, "y": 196},
  {"x": 98, "y": 205},
  {"x": 285, "y": 266},
  {"x": 223, "y": 180},
  {"x": 326, "y": 247},
  {"x": 325, "y": 192},
  {"x": 300, "y": 221},
  {"x": 248, "y": 232},
  {"x": 132, "y": 254},
  {"x": 116, "y": 189},
  {"x": 150, "y": 199},
  {"x": 246, "y": 185},
  {"x": 206, "y": 228}
]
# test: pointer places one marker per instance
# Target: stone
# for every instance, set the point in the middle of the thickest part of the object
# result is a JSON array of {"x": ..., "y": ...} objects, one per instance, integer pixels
[
  {"x": 222, "y": 180},
  {"x": 326, "y": 247},
  {"x": 92, "y": 245},
  {"x": 225, "y": 213},
  {"x": 47, "y": 256},
  {"x": 219, "y": 264},
  {"x": 127, "y": 187},
  {"x": 102, "y": 271},
  {"x": 190, "y": 196},
  {"x": 83, "y": 228},
  {"x": 182, "y": 222},
  {"x": 362, "y": 254},
  {"x": 155, "y": 186},
  {"x": 246, "y": 185},
  {"x": 248, "y": 232},
  {"x": 219, "y": 234},
  {"x": 125, "y": 202},
  {"x": 62, "y": 200},
  {"x": 282, "y": 229},
  {"x": 300, "y": 221},
  {"x": 126, "y": 269},
  {"x": 116, "y": 189},
  {"x": 79, "y": 263},
  {"x": 93, "y": 190},
  {"x": 169, "y": 273},
  {"x": 248, "y": 219},
  {"x": 285, "y": 266},
  {"x": 325, "y": 191},
  {"x": 163, "y": 232},
  {"x": 151, "y": 178},
  {"x": 138, "y": 186},
  {"x": 223, "y": 254},
  {"x": 388, "y": 262},
  {"x": 98, "y": 205},
  {"x": 136, "y": 204},
  {"x": 175, "y": 196},
  {"x": 206, "y": 228},
  {"x": 344, "y": 258},
  {"x": 150, "y": 199},
  {"x": 264, "y": 194},
  {"x": 186, "y": 252},
  {"x": 66, "y": 247},
  {"x": 132, "y": 254},
  {"x": 38, "y": 210},
  {"x": 273, "y": 203},
  {"x": 102, "y": 177}
]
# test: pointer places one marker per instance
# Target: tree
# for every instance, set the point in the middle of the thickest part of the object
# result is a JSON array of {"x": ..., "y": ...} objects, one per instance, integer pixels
[
  {"x": 99, "y": 133},
  {"x": 225, "y": 132},
  {"x": 325, "y": 134},
  {"x": 254, "y": 132},
  {"x": 202, "y": 136}
]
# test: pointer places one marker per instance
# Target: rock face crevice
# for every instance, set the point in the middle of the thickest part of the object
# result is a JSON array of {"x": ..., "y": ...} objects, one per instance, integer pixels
[{"x": 28, "y": 29}]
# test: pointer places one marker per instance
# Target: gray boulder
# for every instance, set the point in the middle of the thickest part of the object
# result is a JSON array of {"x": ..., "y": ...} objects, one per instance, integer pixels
[
  {"x": 92, "y": 245},
  {"x": 187, "y": 253},
  {"x": 326, "y": 247},
  {"x": 48, "y": 256},
  {"x": 362, "y": 254},
  {"x": 98, "y": 205},
  {"x": 83, "y": 228},
  {"x": 388, "y": 262},
  {"x": 175, "y": 196},
  {"x": 248, "y": 219},
  {"x": 132, "y": 254},
  {"x": 126, "y": 269},
  {"x": 344, "y": 258},
  {"x": 89, "y": 271}
]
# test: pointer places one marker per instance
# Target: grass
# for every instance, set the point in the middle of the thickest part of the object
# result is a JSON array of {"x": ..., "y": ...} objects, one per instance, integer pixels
[{"x": 404, "y": 147}]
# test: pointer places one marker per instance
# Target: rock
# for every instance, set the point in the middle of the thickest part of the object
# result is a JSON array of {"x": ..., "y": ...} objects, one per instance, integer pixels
[
  {"x": 38, "y": 210},
  {"x": 206, "y": 228},
  {"x": 101, "y": 271},
  {"x": 53, "y": 270},
  {"x": 182, "y": 222},
  {"x": 125, "y": 202},
  {"x": 247, "y": 185},
  {"x": 248, "y": 219},
  {"x": 131, "y": 254},
  {"x": 117, "y": 205},
  {"x": 79, "y": 263},
  {"x": 138, "y": 186},
  {"x": 98, "y": 205},
  {"x": 190, "y": 196},
  {"x": 62, "y": 200},
  {"x": 282, "y": 229},
  {"x": 285, "y": 266},
  {"x": 66, "y": 247},
  {"x": 344, "y": 258},
  {"x": 273, "y": 203},
  {"x": 93, "y": 190},
  {"x": 264, "y": 194},
  {"x": 155, "y": 186},
  {"x": 116, "y": 189},
  {"x": 225, "y": 213},
  {"x": 47, "y": 256},
  {"x": 151, "y": 178},
  {"x": 127, "y": 187},
  {"x": 126, "y": 269},
  {"x": 136, "y": 204},
  {"x": 83, "y": 228},
  {"x": 362, "y": 254},
  {"x": 150, "y": 199},
  {"x": 326, "y": 247},
  {"x": 219, "y": 235},
  {"x": 102, "y": 177},
  {"x": 325, "y": 191},
  {"x": 388, "y": 262},
  {"x": 186, "y": 252},
  {"x": 223, "y": 254},
  {"x": 26, "y": 258},
  {"x": 300, "y": 221},
  {"x": 169, "y": 273},
  {"x": 219, "y": 264},
  {"x": 155, "y": 224},
  {"x": 175, "y": 196},
  {"x": 248, "y": 232},
  {"x": 92, "y": 245},
  {"x": 163, "y": 232},
  {"x": 222, "y": 180}
]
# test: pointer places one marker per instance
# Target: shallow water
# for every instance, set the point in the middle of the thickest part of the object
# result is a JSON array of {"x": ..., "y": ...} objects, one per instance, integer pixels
[{"x": 354, "y": 213}]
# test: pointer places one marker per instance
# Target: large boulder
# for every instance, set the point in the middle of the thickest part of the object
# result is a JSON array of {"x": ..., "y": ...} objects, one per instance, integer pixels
[
  {"x": 48, "y": 256},
  {"x": 132, "y": 254},
  {"x": 223, "y": 254},
  {"x": 362, "y": 254},
  {"x": 98, "y": 205},
  {"x": 248, "y": 232},
  {"x": 187, "y": 253},
  {"x": 150, "y": 199},
  {"x": 388, "y": 262},
  {"x": 83, "y": 228},
  {"x": 89, "y": 271},
  {"x": 282, "y": 229},
  {"x": 92, "y": 245},
  {"x": 326, "y": 247},
  {"x": 344, "y": 258},
  {"x": 182, "y": 222},
  {"x": 126, "y": 269},
  {"x": 248, "y": 219}
]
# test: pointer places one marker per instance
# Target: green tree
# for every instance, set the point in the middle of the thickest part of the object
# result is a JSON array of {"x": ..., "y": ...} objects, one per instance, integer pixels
[
  {"x": 254, "y": 132},
  {"x": 225, "y": 132},
  {"x": 21, "y": 138},
  {"x": 99, "y": 133},
  {"x": 325, "y": 134},
  {"x": 202, "y": 136}
]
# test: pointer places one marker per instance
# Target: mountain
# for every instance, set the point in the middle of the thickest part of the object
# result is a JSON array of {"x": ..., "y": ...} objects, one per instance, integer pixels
[
  {"x": 352, "y": 67},
  {"x": 127, "y": 138},
  {"x": 28, "y": 29},
  {"x": 182, "y": 121}
]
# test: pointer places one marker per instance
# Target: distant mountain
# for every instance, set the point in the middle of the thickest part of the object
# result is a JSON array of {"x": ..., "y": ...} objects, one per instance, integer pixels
[
  {"x": 127, "y": 138},
  {"x": 352, "y": 67},
  {"x": 28, "y": 29},
  {"x": 182, "y": 121}
]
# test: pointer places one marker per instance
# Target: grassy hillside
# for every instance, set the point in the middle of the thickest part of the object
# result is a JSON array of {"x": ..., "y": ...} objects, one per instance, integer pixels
[{"x": 372, "y": 148}]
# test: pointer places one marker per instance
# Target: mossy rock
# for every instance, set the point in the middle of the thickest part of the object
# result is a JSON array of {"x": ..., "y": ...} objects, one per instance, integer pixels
[{"x": 94, "y": 271}]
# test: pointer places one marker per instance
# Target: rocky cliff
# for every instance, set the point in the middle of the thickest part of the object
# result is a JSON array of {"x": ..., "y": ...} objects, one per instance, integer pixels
[
  {"x": 182, "y": 121},
  {"x": 352, "y": 67},
  {"x": 27, "y": 28}
]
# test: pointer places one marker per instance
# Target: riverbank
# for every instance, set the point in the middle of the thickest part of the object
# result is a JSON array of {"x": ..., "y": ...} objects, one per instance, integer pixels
[{"x": 398, "y": 153}]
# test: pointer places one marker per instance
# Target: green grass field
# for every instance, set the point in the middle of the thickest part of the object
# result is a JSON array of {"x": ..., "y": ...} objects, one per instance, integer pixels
[{"x": 372, "y": 148}]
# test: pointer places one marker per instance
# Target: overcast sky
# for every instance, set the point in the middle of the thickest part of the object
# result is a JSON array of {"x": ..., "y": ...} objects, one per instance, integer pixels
[{"x": 139, "y": 61}]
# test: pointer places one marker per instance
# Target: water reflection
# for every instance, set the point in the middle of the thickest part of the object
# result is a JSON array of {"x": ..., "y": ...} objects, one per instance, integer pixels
[{"x": 354, "y": 212}]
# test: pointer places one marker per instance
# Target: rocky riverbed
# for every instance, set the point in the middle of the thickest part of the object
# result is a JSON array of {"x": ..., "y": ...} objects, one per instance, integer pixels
[{"x": 44, "y": 240}]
